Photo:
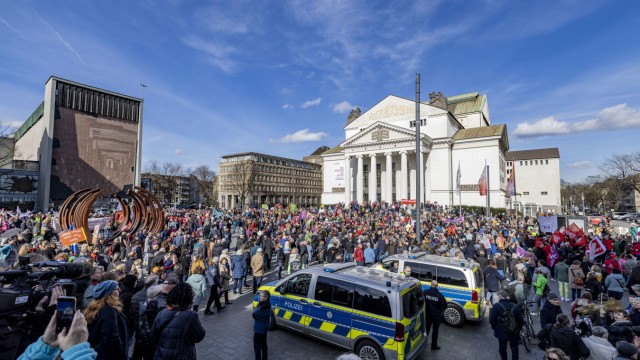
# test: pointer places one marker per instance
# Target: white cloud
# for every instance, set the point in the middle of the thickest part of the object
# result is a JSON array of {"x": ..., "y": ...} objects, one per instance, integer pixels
[
  {"x": 310, "y": 103},
  {"x": 343, "y": 107},
  {"x": 301, "y": 136},
  {"x": 584, "y": 164},
  {"x": 10, "y": 124},
  {"x": 178, "y": 151},
  {"x": 546, "y": 126},
  {"x": 620, "y": 116},
  {"x": 218, "y": 54},
  {"x": 287, "y": 106}
]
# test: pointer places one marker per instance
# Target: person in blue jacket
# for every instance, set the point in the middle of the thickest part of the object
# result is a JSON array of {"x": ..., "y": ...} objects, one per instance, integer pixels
[
  {"x": 262, "y": 317},
  {"x": 369, "y": 255},
  {"x": 238, "y": 266},
  {"x": 71, "y": 342}
]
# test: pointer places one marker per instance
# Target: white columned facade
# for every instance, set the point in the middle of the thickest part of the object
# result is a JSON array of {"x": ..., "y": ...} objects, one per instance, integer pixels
[
  {"x": 389, "y": 181},
  {"x": 360, "y": 184},
  {"x": 373, "y": 180},
  {"x": 347, "y": 179},
  {"x": 403, "y": 175}
]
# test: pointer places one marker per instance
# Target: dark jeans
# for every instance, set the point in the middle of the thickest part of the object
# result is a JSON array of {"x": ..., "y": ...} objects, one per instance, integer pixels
[
  {"x": 226, "y": 295},
  {"x": 257, "y": 280},
  {"x": 436, "y": 328},
  {"x": 237, "y": 285},
  {"x": 213, "y": 296},
  {"x": 503, "y": 349},
  {"x": 260, "y": 346},
  {"x": 142, "y": 351},
  {"x": 575, "y": 294}
]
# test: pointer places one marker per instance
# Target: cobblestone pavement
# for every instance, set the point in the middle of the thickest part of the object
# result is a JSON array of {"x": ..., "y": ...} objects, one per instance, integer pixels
[{"x": 230, "y": 336}]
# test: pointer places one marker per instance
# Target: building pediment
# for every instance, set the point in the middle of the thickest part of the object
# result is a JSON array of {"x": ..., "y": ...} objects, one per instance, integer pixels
[
  {"x": 381, "y": 133},
  {"x": 393, "y": 108}
]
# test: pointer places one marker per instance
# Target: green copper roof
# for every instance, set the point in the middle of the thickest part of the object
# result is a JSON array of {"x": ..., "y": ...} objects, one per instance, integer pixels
[
  {"x": 466, "y": 103},
  {"x": 479, "y": 132},
  {"x": 32, "y": 120},
  {"x": 333, "y": 150}
]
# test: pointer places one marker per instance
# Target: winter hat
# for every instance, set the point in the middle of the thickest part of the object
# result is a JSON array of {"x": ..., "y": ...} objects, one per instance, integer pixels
[
  {"x": 626, "y": 349},
  {"x": 104, "y": 289}
]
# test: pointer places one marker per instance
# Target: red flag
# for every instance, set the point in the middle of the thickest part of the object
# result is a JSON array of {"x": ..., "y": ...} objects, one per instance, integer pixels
[
  {"x": 557, "y": 237},
  {"x": 482, "y": 183},
  {"x": 596, "y": 248},
  {"x": 574, "y": 232},
  {"x": 581, "y": 242}
]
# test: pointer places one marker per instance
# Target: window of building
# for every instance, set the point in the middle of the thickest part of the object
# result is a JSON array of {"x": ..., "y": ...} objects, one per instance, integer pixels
[
  {"x": 378, "y": 174},
  {"x": 525, "y": 193},
  {"x": 393, "y": 178},
  {"x": 544, "y": 193},
  {"x": 365, "y": 175},
  {"x": 536, "y": 162},
  {"x": 546, "y": 162},
  {"x": 520, "y": 163}
]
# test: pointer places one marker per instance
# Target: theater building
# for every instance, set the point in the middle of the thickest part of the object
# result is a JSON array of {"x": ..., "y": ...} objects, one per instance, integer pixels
[{"x": 377, "y": 159}]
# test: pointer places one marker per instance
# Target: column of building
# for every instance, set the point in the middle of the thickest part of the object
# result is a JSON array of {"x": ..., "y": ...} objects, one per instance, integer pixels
[
  {"x": 360, "y": 181},
  {"x": 373, "y": 179}
]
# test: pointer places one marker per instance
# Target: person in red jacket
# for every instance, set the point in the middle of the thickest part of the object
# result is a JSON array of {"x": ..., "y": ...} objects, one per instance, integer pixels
[
  {"x": 612, "y": 263},
  {"x": 358, "y": 255}
]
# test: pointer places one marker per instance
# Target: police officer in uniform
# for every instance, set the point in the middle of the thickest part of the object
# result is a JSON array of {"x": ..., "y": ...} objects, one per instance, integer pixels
[{"x": 435, "y": 306}]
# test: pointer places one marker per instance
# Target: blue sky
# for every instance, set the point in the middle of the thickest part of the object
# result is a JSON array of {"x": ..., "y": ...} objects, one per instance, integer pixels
[{"x": 280, "y": 77}]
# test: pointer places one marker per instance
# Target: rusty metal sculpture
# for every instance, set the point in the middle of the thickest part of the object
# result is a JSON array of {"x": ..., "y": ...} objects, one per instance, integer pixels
[{"x": 144, "y": 214}]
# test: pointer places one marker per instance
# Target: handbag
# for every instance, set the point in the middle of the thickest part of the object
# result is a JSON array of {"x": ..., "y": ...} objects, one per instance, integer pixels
[{"x": 577, "y": 280}]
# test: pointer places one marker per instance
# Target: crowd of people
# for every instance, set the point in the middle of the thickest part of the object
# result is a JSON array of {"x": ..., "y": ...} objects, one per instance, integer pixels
[{"x": 139, "y": 295}]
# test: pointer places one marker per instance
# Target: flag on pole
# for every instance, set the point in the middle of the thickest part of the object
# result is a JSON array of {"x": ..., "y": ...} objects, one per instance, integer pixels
[
  {"x": 520, "y": 251},
  {"x": 482, "y": 183},
  {"x": 552, "y": 257},
  {"x": 511, "y": 184},
  {"x": 458, "y": 177},
  {"x": 596, "y": 248}
]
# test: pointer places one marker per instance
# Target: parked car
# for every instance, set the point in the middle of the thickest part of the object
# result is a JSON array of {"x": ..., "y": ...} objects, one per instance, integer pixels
[
  {"x": 630, "y": 217},
  {"x": 616, "y": 215}
]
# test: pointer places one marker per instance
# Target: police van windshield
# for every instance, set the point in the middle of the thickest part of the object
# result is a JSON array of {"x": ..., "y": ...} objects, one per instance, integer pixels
[{"x": 412, "y": 302}]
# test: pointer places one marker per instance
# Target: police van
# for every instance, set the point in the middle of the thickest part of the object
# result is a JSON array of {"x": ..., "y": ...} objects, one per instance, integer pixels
[
  {"x": 375, "y": 313},
  {"x": 460, "y": 281}
]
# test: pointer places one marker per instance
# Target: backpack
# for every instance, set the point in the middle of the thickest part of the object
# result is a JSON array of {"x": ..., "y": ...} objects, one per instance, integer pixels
[
  {"x": 143, "y": 330},
  {"x": 546, "y": 289},
  {"x": 295, "y": 266},
  {"x": 509, "y": 322}
]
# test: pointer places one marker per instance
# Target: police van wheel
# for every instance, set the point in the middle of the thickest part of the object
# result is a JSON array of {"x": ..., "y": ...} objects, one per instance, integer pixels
[
  {"x": 454, "y": 316},
  {"x": 368, "y": 350}
]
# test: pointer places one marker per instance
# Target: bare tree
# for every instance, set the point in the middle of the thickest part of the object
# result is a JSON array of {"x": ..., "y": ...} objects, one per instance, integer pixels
[
  {"x": 240, "y": 179},
  {"x": 625, "y": 168},
  {"x": 205, "y": 179},
  {"x": 165, "y": 179}
]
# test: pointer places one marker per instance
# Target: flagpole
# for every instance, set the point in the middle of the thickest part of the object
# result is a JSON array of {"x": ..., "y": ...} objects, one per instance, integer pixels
[
  {"x": 488, "y": 191},
  {"x": 418, "y": 167}
]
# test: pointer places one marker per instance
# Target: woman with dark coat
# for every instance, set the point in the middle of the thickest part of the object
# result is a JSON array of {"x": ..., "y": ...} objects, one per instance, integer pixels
[
  {"x": 177, "y": 328},
  {"x": 561, "y": 335},
  {"x": 262, "y": 316},
  {"x": 106, "y": 323}
]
